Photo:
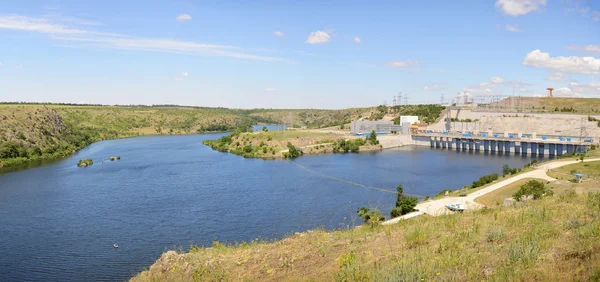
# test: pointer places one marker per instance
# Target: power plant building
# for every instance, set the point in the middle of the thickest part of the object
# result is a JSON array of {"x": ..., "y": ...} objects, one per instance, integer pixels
[{"x": 380, "y": 126}]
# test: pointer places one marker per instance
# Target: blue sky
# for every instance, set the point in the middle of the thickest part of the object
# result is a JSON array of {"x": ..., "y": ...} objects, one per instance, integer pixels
[{"x": 295, "y": 54}]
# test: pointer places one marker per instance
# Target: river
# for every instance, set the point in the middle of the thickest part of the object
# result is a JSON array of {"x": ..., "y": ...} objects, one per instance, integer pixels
[{"x": 59, "y": 222}]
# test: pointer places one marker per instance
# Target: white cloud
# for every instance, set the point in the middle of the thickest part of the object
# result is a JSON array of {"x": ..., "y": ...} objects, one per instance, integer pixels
[
  {"x": 318, "y": 37},
  {"x": 588, "y": 48},
  {"x": 585, "y": 12},
  {"x": 591, "y": 88},
  {"x": 519, "y": 7},
  {"x": 431, "y": 87},
  {"x": 556, "y": 76},
  {"x": 270, "y": 89},
  {"x": 356, "y": 40},
  {"x": 403, "y": 64},
  {"x": 182, "y": 76},
  {"x": 49, "y": 7},
  {"x": 94, "y": 39},
  {"x": 497, "y": 79},
  {"x": 512, "y": 28},
  {"x": 564, "y": 92},
  {"x": 278, "y": 34},
  {"x": 572, "y": 64},
  {"x": 41, "y": 25},
  {"x": 525, "y": 90},
  {"x": 184, "y": 17}
]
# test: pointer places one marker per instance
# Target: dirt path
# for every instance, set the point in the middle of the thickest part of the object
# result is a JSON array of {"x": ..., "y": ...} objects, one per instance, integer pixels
[{"x": 438, "y": 207}]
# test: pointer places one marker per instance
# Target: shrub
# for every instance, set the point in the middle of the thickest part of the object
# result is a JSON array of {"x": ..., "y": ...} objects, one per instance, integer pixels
[
  {"x": 85, "y": 162},
  {"x": 404, "y": 204},
  {"x": 370, "y": 216},
  {"x": 533, "y": 188},
  {"x": 293, "y": 151}
]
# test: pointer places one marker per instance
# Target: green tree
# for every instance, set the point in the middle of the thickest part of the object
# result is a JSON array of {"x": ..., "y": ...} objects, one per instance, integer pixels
[
  {"x": 505, "y": 170},
  {"x": 265, "y": 129},
  {"x": 404, "y": 204},
  {"x": 533, "y": 188},
  {"x": 293, "y": 152},
  {"x": 373, "y": 138}
]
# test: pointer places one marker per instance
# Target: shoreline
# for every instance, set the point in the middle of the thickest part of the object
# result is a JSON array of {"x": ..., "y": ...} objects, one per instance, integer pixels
[
  {"x": 438, "y": 207},
  {"x": 37, "y": 162}
]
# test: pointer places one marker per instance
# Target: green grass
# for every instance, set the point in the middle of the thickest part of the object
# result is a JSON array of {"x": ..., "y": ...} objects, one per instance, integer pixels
[
  {"x": 554, "y": 105},
  {"x": 496, "y": 197},
  {"x": 588, "y": 169},
  {"x": 536, "y": 242},
  {"x": 55, "y": 131}
]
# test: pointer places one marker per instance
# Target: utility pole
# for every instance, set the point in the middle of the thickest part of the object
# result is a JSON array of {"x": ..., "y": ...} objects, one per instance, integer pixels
[{"x": 406, "y": 99}]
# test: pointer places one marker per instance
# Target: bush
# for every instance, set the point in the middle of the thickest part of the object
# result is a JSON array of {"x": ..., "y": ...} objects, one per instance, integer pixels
[
  {"x": 404, "y": 204},
  {"x": 293, "y": 152},
  {"x": 85, "y": 162},
  {"x": 443, "y": 192},
  {"x": 533, "y": 188},
  {"x": 373, "y": 138},
  {"x": 484, "y": 180},
  {"x": 370, "y": 216}
]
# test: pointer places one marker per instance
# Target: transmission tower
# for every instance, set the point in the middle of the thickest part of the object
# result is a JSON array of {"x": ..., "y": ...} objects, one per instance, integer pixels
[
  {"x": 399, "y": 98},
  {"x": 394, "y": 101},
  {"x": 442, "y": 100}
]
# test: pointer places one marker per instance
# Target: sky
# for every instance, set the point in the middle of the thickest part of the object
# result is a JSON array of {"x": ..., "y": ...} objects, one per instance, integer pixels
[{"x": 296, "y": 54}]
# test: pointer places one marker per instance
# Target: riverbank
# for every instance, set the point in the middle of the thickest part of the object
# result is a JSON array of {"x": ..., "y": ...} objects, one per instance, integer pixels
[
  {"x": 34, "y": 132},
  {"x": 438, "y": 207},
  {"x": 275, "y": 144},
  {"x": 510, "y": 244}
]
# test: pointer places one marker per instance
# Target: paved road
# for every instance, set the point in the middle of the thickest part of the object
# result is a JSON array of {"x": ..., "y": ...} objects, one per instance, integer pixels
[{"x": 438, "y": 207}]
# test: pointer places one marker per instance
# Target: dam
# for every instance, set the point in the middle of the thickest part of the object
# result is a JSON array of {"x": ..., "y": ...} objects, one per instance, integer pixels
[{"x": 505, "y": 143}]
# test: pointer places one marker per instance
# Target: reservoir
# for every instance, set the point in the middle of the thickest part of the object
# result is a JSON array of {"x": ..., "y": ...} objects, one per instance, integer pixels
[{"x": 60, "y": 222}]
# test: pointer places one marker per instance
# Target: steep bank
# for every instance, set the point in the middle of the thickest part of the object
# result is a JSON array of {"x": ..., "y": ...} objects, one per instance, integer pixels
[{"x": 538, "y": 241}]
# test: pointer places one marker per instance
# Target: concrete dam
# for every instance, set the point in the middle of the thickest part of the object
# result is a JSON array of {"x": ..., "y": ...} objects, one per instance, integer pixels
[{"x": 521, "y": 146}]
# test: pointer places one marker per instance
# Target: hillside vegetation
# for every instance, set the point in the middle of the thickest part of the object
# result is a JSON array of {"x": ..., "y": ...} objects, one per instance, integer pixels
[
  {"x": 34, "y": 132},
  {"x": 538, "y": 241},
  {"x": 550, "y": 105},
  {"x": 276, "y": 144},
  {"x": 426, "y": 113}
]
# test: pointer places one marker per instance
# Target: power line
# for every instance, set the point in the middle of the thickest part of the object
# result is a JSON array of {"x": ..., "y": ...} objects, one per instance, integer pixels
[{"x": 351, "y": 182}]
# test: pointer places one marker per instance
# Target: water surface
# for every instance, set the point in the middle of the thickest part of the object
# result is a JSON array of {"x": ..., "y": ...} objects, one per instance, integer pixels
[{"x": 59, "y": 222}]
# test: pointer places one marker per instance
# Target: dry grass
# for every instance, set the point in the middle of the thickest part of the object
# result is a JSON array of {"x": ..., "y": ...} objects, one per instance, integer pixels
[
  {"x": 544, "y": 104},
  {"x": 535, "y": 242},
  {"x": 496, "y": 197}
]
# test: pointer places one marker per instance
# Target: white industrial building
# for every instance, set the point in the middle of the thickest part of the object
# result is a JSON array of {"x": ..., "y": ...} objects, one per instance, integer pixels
[{"x": 383, "y": 126}]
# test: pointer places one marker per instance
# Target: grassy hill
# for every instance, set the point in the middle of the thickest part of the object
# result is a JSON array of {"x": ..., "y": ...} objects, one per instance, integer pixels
[
  {"x": 35, "y": 131},
  {"x": 552, "y": 239},
  {"x": 551, "y": 105}
]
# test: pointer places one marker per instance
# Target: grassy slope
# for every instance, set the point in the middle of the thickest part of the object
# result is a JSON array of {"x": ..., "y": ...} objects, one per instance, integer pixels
[
  {"x": 55, "y": 128},
  {"x": 539, "y": 241},
  {"x": 495, "y": 198},
  {"x": 544, "y": 104}
]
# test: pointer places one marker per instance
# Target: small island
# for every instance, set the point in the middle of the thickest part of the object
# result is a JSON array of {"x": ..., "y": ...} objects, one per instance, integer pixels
[
  {"x": 113, "y": 158},
  {"x": 85, "y": 163}
]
